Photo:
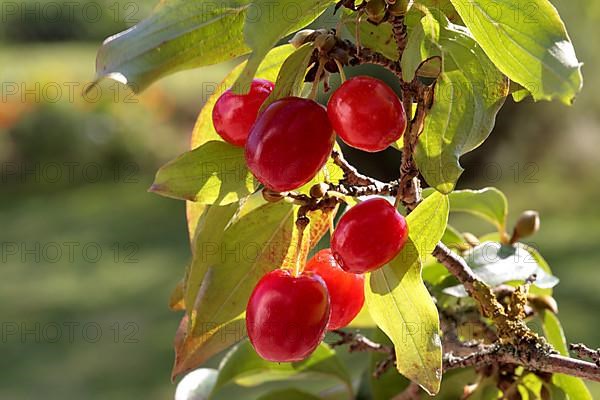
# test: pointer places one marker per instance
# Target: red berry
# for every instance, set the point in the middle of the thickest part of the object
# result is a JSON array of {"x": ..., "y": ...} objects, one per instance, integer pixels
[
  {"x": 289, "y": 143},
  {"x": 366, "y": 114},
  {"x": 368, "y": 236},
  {"x": 346, "y": 290},
  {"x": 234, "y": 114},
  {"x": 287, "y": 315}
]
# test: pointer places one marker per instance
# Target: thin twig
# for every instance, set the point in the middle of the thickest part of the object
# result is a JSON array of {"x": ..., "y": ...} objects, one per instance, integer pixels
[
  {"x": 351, "y": 175},
  {"x": 358, "y": 342},
  {"x": 356, "y": 184},
  {"x": 367, "y": 56},
  {"x": 534, "y": 360},
  {"x": 585, "y": 352}
]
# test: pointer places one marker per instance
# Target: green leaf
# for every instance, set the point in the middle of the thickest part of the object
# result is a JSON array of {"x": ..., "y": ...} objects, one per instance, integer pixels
[
  {"x": 518, "y": 92},
  {"x": 434, "y": 273},
  {"x": 291, "y": 75},
  {"x": 446, "y": 7},
  {"x": 375, "y": 37},
  {"x": 179, "y": 35},
  {"x": 204, "y": 130},
  {"x": 530, "y": 387},
  {"x": 427, "y": 223},
  {"x": 528, "y": 42},
  {"x": 468, "y": 94},
  {"x": 489, "y": 204},
  {"x": 268, "y": 23},
  {"x": 400, "y": 304},
  {"x": 495, "y": 264},
  {"x": 235, "y": 245},
  {"x": 574, "y": 388},
  {"x": 230, "y": 256},
  {"x": 543, "y": 265},
  {"x": 452, "y": 237},
  {"x": 322, "y": 371},
  {"x": 214, "y": 173},
  {"x": 422, "y": 42}
]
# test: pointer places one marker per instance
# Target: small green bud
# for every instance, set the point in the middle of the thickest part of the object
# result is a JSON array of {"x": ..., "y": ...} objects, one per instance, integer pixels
[
  {"x": 527, "y": 225},
  {"x": 325, "y": 42},
  {"x": 300, "y": 37}
]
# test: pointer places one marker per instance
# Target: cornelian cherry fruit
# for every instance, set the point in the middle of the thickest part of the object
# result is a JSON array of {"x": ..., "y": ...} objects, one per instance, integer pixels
[
  {"x": 289, "y": 143},
  {"x": 368, "y": 236},
  {"x": 287, "y": 315},
  {"x": 234, "y": 114},
  {"x": 346, "y": 290},
  {"x": 366, "y": 114}
]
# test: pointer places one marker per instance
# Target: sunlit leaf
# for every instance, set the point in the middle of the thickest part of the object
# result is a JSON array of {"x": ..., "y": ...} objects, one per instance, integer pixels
[
  {"x": 527, "y": 41},
  {"x": 178, "y": 35},
  {"x": 401, "y": 305},
  {"x": 468, "y": 94},
  {"x": 488, "y": 203},
  {"x": 227, "y": 264},
  {"x": 573, "y": 388},
  {"x": 376, "y": 37},
  {"x": 291, "y": 75},
  {"x": 236, "y": 246},
  {"x": 269, "y": 22},
  {"x": 214, "y": 173},
  {"x": 204, "y": 130}
]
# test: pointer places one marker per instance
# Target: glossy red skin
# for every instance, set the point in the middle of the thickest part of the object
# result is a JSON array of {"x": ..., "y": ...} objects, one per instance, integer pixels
[
  {"x": 286, "y": 316},
  {"x": 346, "y": 290},
  {"x": 368, "y": 236},
  {"x": 233, "y": 114},
  {"x": 366, "y": 114},
  {"x": 289, "y": 143}
]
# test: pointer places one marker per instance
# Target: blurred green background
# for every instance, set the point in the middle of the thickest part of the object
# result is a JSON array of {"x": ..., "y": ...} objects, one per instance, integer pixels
[{"x": 88, "y": 258}]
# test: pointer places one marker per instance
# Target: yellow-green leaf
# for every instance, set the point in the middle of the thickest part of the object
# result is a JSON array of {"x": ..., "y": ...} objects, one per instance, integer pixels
[
  {"x": 573, "y": 388},
  {"x": 204, "y": 130},
  {"x": 488, "y": 203},
  {"x": 527, "y": 41},
  {"x": 178, "y": 35},
  {"x": 269, "y": 22},
  {"x": 468, "y": 94},
  {"x": 214, "y": 173},
  {"x": 400, "y": 304}
]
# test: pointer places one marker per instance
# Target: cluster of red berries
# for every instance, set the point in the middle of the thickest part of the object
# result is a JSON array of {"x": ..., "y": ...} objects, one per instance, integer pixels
[
  {"x": 290, "y": 141},
  {"x": 285, "y": 146}
]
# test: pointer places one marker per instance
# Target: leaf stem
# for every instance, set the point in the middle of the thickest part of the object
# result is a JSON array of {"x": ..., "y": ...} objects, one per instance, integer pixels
[
  {"x": 341, "y": 70},
  {"x": 315, "y": 86}
]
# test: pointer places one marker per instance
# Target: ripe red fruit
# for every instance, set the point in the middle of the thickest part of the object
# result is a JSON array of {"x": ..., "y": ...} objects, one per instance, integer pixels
[
  {"x": 234, "y": 114},
  {"x": 346, "y": 290},
  {"x": 289, "y": 143},
  {"x": 368, "y": 236},
  {"x": 366, "y": 114},
  {"x": 287, "y": 315}
]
